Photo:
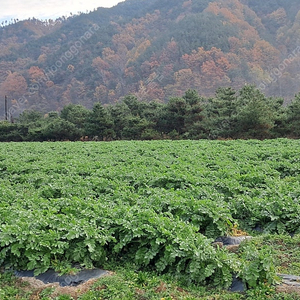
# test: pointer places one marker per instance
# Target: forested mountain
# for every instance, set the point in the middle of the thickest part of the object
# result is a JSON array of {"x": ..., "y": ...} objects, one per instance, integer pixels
[{"x": 154, "y": 49}]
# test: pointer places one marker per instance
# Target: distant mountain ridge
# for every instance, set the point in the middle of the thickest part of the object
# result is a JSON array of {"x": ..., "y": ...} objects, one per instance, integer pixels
[{"x": 153, "y": 49}]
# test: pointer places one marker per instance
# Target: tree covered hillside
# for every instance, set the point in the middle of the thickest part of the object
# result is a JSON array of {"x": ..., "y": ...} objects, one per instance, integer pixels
[{"x": 152, "y": 49}]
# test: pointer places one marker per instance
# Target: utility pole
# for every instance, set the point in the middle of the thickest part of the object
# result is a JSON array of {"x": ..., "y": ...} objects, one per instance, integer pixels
[{"x": 6, "y": 108}]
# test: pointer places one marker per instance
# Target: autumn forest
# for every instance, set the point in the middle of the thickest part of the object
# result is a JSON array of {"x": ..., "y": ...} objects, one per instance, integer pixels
[{"x": 152, "y": 50}]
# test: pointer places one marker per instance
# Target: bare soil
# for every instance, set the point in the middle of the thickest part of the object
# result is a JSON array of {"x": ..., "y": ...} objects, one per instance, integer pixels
[{"x": 38, "y": 286}]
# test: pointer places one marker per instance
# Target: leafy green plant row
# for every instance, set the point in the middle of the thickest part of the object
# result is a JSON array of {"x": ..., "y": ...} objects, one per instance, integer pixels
[
  {"x": 89, "y": 232},
  {"x": 159, "y": 204}
]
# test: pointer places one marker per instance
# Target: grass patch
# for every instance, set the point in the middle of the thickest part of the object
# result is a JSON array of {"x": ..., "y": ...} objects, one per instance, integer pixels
[{"x": 285, "y": 250}]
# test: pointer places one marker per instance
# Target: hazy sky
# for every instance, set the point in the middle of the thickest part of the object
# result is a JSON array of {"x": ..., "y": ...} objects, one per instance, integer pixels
[{"x": 48, "y": 9}]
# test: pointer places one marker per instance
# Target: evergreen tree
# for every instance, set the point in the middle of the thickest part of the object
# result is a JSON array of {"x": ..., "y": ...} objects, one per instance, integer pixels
[
  {"x": 99, "y": 123},
  {"x": 58, "y": 129},
  {"x": 193, "y": 119},
  {"x": 293, "y": 117},
  {"x": 76, "y": 114},
  {"x": 220, "y": 114},
  {"x": 254, "y": 117}
]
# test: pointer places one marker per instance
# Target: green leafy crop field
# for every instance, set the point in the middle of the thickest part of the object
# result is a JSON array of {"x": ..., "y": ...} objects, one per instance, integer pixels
[{"x": 157, "y": 204}]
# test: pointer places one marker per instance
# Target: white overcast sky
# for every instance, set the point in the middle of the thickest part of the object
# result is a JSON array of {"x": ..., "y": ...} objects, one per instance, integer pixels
[{"x": 48, "y": 9}]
